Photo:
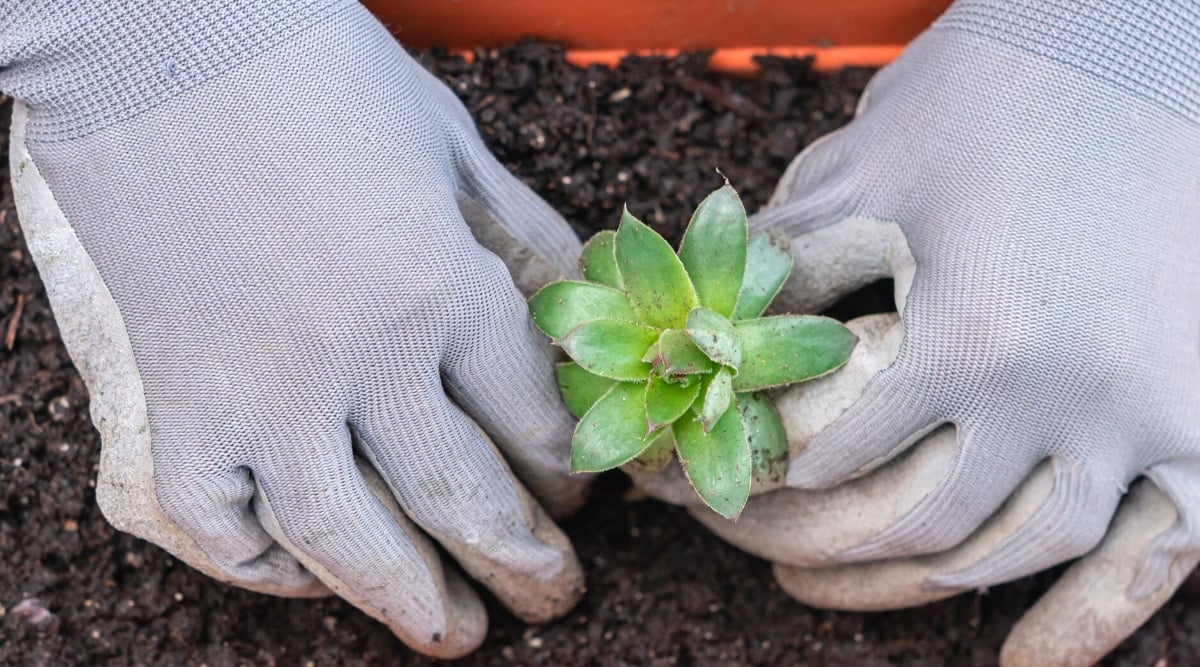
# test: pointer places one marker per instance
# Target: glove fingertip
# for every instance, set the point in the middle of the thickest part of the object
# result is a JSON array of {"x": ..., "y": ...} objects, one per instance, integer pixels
[
  {"x": 886, "y": 420},
  {"x": 1088, "y": 612}
]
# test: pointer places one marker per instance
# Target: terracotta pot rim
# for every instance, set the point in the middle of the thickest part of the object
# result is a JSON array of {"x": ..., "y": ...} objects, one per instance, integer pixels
[{"x": 836, "y": 33}]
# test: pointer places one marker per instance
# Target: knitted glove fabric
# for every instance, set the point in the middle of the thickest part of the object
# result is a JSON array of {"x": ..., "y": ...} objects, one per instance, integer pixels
[
  {"x": 254, "y": 222},
  {"x": 1029, "y": 172}
]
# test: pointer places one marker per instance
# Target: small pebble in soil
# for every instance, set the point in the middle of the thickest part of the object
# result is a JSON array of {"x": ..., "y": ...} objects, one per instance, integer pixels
[
  {"x": 34, "y": 612},
  {"x": 59, "y": 408}
]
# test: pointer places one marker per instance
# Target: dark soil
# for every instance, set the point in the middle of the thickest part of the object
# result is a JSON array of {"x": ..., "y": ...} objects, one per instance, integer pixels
[{"x": 661, "y": 590}]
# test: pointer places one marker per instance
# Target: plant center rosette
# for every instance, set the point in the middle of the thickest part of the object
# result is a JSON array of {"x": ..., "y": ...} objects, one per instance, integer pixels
[{"x": 670, "y": 352}]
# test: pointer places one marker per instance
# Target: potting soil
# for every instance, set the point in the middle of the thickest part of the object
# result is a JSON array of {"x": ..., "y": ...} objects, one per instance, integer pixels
[{"x": 661, "y": 590}]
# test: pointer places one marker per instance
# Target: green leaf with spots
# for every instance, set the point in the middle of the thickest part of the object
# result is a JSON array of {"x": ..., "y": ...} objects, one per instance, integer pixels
[
  {"x": 667, "y": 401},
  {"x": 611, "y": 349},
  {"x": 714, "y": 250},
  {"x": 599, "y": 261},
  {"x": 674, "y": 355},
  {"x": 766, "y": 435},
  {"x": 559, "y": 307},
  {"x": 789, "y": 348},
  {"x": 717, "y": 463},
  {"x": 714, "y": 335},
  {"x": 580, "y": 389},
  {"x": 656, "y": 284},
  {"x": 612, "y": 432},
  {"x": 718, "y": 393},
  {"x": 768, "y": 263},
  {"x": 657, "y": 455}
]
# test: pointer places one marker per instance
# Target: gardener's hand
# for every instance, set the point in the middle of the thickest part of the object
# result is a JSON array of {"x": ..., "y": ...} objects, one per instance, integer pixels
[
  {"x": 252, "y": 223},
  {"x": 1043, "y": 168}
]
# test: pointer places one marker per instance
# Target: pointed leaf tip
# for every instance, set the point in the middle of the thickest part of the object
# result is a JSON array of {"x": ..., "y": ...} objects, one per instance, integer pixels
[
  {"x": 674, "y": 355},
  {"x": 766, "y": 435},
  {"x": 598, "y": 263},
  {"x": 580, "y": 389},
  {"x": 612, "y": 432},
  {"x": 611, "y": 349},
  {"x": 715, "y": 336},
  {"x": 777, "y": 351},
  {"x": 717, "y": 395},
  {"x": 656, "y": 284},
  {"x": 768, "y": 264},
  {"x": 561, "y": 306},
  {"x": 714, "y": 250},
  {"x": 668, "y": 401},
  {"x": 716, "y": 463},
  {"x": 655, "y": 457}
]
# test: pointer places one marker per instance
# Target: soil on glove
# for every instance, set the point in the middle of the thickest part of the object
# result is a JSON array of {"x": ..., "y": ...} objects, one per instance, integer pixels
[{"x": 661, "y": 590}]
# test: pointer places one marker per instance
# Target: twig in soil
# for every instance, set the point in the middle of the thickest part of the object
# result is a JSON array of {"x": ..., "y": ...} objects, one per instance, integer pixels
[
  {"x": 720, "y": 97},
  {"x": 10, "y": 336},
  {"x": 590, "y": 122},
  {"x": 33, "y": 423},
  {"x": 482, "y": 104}
]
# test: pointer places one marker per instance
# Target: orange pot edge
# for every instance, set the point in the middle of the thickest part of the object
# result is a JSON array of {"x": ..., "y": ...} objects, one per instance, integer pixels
[{"x": 836, "y": 33}]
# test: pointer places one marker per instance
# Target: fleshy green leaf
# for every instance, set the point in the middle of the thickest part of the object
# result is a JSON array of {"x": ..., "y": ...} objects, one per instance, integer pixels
[
  {"x": 766, "y": 435},
  {"x": 790, "y": 348},
  {"x": 657, "y": 455},
  {"x": 714, "y": 250},
  {"x": 714, "y": 335},
  {"x": 717, "y": 463},
  {"x": 559, "y": 307},
  {"x": 612, "y": 432},
  {"x": 717, "y": 395},
  {"x": 580, "y": 389},
  {"x": 768, "y": 263},
  {"x": 674, "y": 355},
  {"x": 657, "y": 286},
  {"x": 668, "y": 401},
  {"x": 611, "y": 349},
  {"x": 598, "y": 261}
]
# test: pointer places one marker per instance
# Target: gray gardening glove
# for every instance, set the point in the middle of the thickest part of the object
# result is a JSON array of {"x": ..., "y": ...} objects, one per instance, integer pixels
[
  {"x": 252, "y": 220},
  {"x": 1041, "y": 161}
]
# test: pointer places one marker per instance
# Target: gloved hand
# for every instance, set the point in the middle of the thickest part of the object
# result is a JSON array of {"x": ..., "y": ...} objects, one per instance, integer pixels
[
  {"x": 1030, "y": 173},
  {"x": 252, "y": 221}
]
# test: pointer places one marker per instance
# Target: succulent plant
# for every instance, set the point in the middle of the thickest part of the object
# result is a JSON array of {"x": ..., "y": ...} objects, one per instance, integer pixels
[{"x": 669, "y": 353}]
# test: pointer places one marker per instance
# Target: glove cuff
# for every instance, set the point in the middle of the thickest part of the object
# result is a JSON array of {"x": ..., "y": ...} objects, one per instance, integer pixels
[
  {"x": 1151, "y": 48},
  {"x": 84, "y": 65}
]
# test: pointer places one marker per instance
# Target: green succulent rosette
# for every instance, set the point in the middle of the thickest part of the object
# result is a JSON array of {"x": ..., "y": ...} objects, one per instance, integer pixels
[{"x": 670, "y": 351}]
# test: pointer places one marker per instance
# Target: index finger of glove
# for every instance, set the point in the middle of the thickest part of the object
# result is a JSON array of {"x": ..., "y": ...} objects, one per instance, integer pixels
[{"x": 341, "y": 523}]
